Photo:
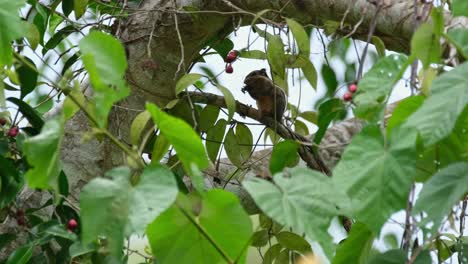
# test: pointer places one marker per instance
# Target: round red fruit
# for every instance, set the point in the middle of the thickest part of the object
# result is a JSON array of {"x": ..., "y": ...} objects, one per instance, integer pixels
[
  {"x": 229, "y": 69},
  {"x": 72, "y": 224},
  {"x": 347, "y": 97},
  {"x": 2, "y": 121},
  {"x": 232, "y": 56},
  {"x": 352, "y": 88},
  {"x": 13, "y": 132}
]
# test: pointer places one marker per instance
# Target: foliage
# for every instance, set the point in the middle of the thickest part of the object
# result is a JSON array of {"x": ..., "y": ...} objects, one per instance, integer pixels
[{"x": 423, "y": 145}]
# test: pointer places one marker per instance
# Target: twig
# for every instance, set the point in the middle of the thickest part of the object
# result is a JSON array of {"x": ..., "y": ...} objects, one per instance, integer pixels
[{"x": 182, "y": 49}]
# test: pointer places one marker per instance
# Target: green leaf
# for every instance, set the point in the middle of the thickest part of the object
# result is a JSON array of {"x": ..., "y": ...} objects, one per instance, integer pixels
[
  {"x": 377, "y": 174},
  {"x": 27, "y": 77},
  {"x": 104, "y": 205},
  {"x": 301, "y": 128},
  {"x": 60, "y": 231},
  {"x": 459, "y": 38},
  {"x": 238, "y": 145},
  {"x": 310, "y": 116},
  {"x": 154, "y": 193},
  {"x": 208, "y": 117},
  {"x": 58, "y": 37},
  {"x": 302, "y": 199},
  {"x": 230, "y": 100},
  {"x": 301, "y": 38},
  {"x": 185, "y": 81},
  {"x": 309, "y": 72},
  {"x": 329, "y": 77},
  {"x": 442, "y": 192},
  {"x": 277, "y": 60},
  {"x": 32, "y": 35},
  {"x": 253, "y": 54},
  {"x": 394, "y": 256},
  {"x": 100, "y": 50},
  {"x": 223, "y": 47},
  {"x": 21, "y": 255},
  {"x": 43, "y": 154},
  {"x": 160, "y": 148},
  {"x": 138, "y": 125},
  {"x": 11, "y": 181},
  {"x": 186, "y": 142},
  {"x": 272, "y": 253},
  {"x": 67, "y": 7},
  {"x": 284, "y": 155},
  {"x": 31, "y": 115},
  {"x": 214, "y": 138},
  {"x": 78, "y": 249},
  {"x": 376, "y": 85},
  {"x": 436, "y": 118},
  {"x": 12, "y": 28},
  {"x": 460, "y": 8},
  {"x": 293, "y": 242},
  {"x": 379, "y": 45},
  {"x": 80, "y": 7},
  {"x": 329, "y": 111},
  {"x": 356, "y": 247},
  {"x": 425, "y": 45},
  {"x": 260, "y": 238},
  {"x": 222, "y": 218},
  {"x": 404, "y": 109}
]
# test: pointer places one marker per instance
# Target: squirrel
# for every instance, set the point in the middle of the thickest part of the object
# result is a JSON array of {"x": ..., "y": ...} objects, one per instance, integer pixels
[{"x": 271, "y": 100}]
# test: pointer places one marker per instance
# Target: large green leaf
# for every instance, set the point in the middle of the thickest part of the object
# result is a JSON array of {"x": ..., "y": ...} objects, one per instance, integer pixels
[
  {"x": 375, "y": 86},
  {"x": 442, "y": 192},
  {"x": 404, "y": 109},
  {"x": 21, "y": 255},
  {"x": 222, "y": 222},
  {"x": 425, "y": 45},
  {"x": 284, "y": 155},
  {"x": 31, "y": 115},
  {"x": 394, "y": 256},
  {"x": 187, "y": 80},
  {"x": 436, "y": 118},
  {"x": 301, "y": 38},
  {"x": 99, "y": 51},
  {"x": 27, "y": 75},
  {"x": 104, "y": 205},
  {"x": 238, "y": 145},
  {"x": 276, "y": 59},
  {"x": 214, "y": 138},
  {"x": 377, "y": 174},
  {"x": 154, "y": 193},
  {"x": 302, "y": 199},
  {"x": 329, "y": 111},
  {"x": 459, "y": 38},
  {"x": 460, "y": 8},
  {"x": 12, "y": 28},
  {"x": 186, "y": 142},
  {"x": 128, "y": 208},
  {"x": 356, "y": 247},
  {"x": 208, "y": 117},
  {"x": 229, "y": 99},
  {"x": 43, "y": 154}
]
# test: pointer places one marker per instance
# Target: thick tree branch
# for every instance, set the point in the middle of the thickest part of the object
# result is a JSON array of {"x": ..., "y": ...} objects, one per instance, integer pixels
[{"x": 306, "y": 151}]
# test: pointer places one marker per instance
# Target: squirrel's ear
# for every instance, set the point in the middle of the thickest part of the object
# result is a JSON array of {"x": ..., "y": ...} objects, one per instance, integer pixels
[{"x": 263, "y": 70}]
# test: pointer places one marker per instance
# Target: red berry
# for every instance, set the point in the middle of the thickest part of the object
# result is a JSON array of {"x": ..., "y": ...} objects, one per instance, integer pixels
[
  {"x": 347, "y": 96},
  {"x": 13, "y": 132},
  {"x": 352, "y": 88},
  {"x": 2, "y": 121},
  {"x": 232, "y": 56},
  {"x": 72, "y": 225},
  {"x": 229, "y": 68}
]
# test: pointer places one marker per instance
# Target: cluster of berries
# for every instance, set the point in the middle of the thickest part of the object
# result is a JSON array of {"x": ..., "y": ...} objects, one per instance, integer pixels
[
  {"x": 230, "y": 58},
  {"x": 348, "y": 96},
  {"x": 13, "y": 131}
]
